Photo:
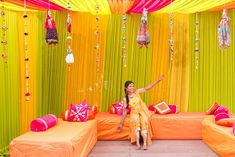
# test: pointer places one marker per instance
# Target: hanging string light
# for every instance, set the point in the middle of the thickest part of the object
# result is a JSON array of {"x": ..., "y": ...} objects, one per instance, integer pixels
[
  {"x": 171, "y": 40},
  {"x": 26, "y": 50},
  {"x": 196, "y": 42},
  {"x": 4, "y": 29},
  {"x": 97, "y": 46},
  {"x": 69, "y": 58}
]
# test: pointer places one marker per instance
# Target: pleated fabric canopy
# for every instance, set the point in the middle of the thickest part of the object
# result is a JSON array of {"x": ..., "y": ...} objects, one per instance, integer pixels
[{"x": 123, "y": 6}]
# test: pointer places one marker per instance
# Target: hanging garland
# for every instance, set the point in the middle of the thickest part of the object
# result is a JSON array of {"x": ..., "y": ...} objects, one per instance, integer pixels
[
  {"x": 97, "y": 46},
  {"x": 196, "y": 42},
  {"x": 27, "y": 93},
  {"x": 69, "y": 58},
  {"x": 4, "y": 29},
  {"x": 171, "y": 40},
  {"x": 124, "y": 56},
  {"x": 224, "y": 31}
]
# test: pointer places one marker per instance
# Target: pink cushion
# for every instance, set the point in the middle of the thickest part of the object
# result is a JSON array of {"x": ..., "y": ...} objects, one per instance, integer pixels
[
  {"x": 213, "y": 108},
  {"x": 233, "y": 128},
  {"x": 151, "y": 108},
  {"x": 221, "y": 109},
  {"x": 173, "y": 108},
  {"x": 43, "y": 123},
  {"x": 162, "y": 108},
  {"x": 118, "y": 107},
  {"x": 220, "y": 116},
  {"x": 78, "y": 113}
]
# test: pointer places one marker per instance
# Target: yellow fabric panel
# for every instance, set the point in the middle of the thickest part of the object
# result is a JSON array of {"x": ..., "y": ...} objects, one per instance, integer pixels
[
  {"x": 85, "y": 5},
  {"x": 192, "y": 6},
  {"x": 120, "y": 6},
  {"x": 174, "y": 88},
  {"x": 229, "y": 5},
  {"x": 81, "y": 80},
  {"x": 27, "y": 108},
  {"x": 14, "y": 7}
]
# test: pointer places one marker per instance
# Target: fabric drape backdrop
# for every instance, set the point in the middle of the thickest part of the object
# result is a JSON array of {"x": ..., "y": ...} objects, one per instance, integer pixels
[
  {"x": 138, "y": 60},
  {"x": 51, "y": 67},
  {"x": 175, "y": 86},
  {"x": 82, "y": 81},
  {"x": 9, "y": 85},
  {"x": 214, "y": 79}
]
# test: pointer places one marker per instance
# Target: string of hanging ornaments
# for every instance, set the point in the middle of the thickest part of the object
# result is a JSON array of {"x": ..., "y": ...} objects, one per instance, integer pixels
[
  {"x": 171, "y": 40},
  {"x": 97, "y": 45},
  {"x": 26, "y": 50},
  {"x": 196, "y": 42},
  {"x": 50, "y": 26},
  {"x": 69, "y": 58},
  {"x": 224, "y": 31},
  {"x": 4, "y": 29},
  {"x": 124, "y": 49},
  {"x": 143, "y": 33}
]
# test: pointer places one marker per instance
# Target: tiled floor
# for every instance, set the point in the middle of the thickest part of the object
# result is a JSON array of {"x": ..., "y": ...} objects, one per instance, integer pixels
[{"x": 159, "y": 148}]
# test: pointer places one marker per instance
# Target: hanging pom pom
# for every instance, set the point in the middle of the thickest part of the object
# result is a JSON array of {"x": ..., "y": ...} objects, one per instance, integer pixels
[
  {"x": 69, "y": 58},
  {"x": 69, "y": 22}
]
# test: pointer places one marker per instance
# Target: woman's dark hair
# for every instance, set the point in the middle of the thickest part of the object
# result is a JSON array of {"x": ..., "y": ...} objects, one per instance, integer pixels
[{"x": 127, "y": 83}]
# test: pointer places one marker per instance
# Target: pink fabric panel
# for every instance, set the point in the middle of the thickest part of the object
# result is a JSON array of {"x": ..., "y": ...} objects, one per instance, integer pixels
[
  {"x": 150, "y": 5},
  {"x": 43, "y": 123}
]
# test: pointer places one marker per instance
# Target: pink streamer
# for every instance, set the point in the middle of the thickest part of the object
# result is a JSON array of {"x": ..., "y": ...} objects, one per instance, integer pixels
[{"x": 150, "y": 5}]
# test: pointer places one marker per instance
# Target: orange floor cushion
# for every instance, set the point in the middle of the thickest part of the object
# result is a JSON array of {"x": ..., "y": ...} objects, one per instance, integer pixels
[
  {"x": 219, "y": 138},
  {"x": 182, "y": 125},
  {"x": 73, "y": 139},
  {"x": 107, "y": 125}
]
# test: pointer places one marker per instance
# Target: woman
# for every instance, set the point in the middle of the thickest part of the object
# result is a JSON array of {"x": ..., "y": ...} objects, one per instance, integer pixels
[{"x": 139, "y": 116}]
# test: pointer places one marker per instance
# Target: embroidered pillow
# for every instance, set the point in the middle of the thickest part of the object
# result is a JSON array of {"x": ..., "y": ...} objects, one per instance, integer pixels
[
  {"x": 221, "y": 109},
  {"x": 226, "y": 122},
  {"x": 221, "y": 113},
  {"x": 162, "y": 108},
  {"x": 78, "y": 113},
  {"x": 213, "y": 108},
  {"x": 118, "y": 107}
]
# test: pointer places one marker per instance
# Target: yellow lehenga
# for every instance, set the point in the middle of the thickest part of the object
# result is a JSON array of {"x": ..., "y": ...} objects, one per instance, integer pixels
[{"x": 139, "y": 119}]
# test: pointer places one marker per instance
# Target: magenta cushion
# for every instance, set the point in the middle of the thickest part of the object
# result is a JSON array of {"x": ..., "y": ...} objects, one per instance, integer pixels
[
  {"x": 221, "y": 109},
  {"x": 151, "y": 108},
  {"x": 78, "y": 113},
  {"x": 220, "y": 116},
  {"x": 43, "y": 123},
  {"x": 173, "y": 108},
  {"x": 118, "y": 107},
  {"x": 233, "y": 128}
]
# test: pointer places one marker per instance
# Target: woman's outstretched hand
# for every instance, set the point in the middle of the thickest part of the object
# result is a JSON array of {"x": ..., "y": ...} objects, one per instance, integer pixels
[{"x": 160, "y": 77}]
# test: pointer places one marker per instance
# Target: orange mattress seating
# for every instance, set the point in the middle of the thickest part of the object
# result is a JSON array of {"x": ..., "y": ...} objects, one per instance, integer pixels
[
  {"x": 107, "y": 125},
  {"x": 74, "y": 139},
  {"x": 183, "y": 125},
  {"x": 219, "y": 138}
]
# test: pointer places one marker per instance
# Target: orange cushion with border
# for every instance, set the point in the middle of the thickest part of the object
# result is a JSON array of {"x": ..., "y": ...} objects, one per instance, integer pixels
[
  {"x": 213, "y": 108},
  {"x": 162, "y": 108},
  {"x": 226, "y": 122}
]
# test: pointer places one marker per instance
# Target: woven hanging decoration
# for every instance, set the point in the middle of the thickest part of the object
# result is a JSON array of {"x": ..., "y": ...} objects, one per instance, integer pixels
[
  {"x": 171, "y": 40},
  {"x": 4, "y": 29},
  {"x": 69, "y": 58},
  {"x": 196, "y": 42},
  {"x": 224, "y": 31},
  {"x": 26, "y": 50}
]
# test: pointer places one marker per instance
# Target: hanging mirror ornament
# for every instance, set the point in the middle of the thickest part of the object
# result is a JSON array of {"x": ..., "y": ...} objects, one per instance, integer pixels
[
  {"x": 143, "y": 33},
  {"x": 26, "y": 50},
  {"x": 224, "y": 31},
  {"x": 196, "y": 42},
  {"x": 124, "y": 49},
  {"x": 69, "y": 58},
  {"x": 4, "y": 29}
]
